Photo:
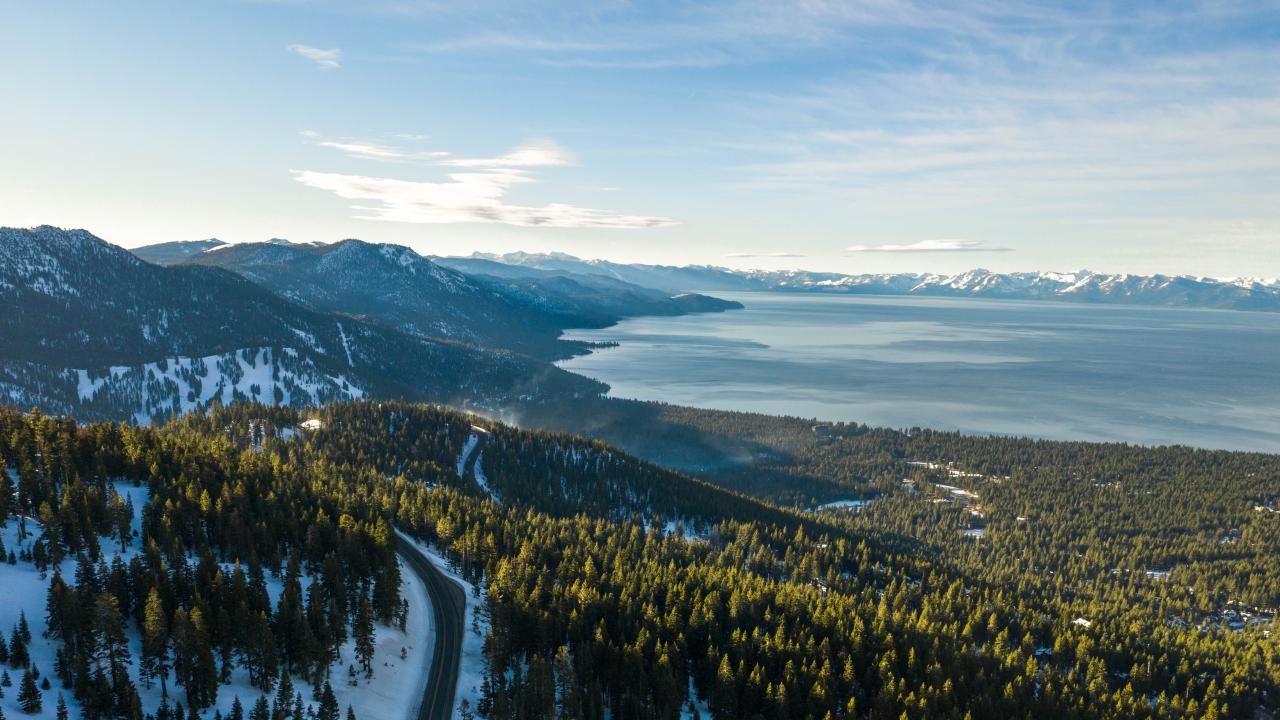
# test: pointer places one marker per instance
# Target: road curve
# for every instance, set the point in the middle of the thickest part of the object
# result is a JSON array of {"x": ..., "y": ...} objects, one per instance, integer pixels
[{"x": 449, "y": 610}]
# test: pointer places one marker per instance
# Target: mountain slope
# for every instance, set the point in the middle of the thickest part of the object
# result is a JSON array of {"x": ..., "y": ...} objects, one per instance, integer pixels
[
  {"x": 392, "y": 285},
  {"x": 669, "y": 278},
  {"x": 172, "y": 253},
  {"x": 397, "y": 287},
  {"x": 92, "y": 329}
]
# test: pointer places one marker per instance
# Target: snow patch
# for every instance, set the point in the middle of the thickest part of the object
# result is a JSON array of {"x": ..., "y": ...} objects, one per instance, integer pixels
[{"x": 470, "y": 446}]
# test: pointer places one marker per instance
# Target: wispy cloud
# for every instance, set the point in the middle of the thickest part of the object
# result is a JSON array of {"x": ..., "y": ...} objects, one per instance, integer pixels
[
  {"x": 324, "y": 59},
  {"x": 465, "y": 198},
  {"x": 366, "y": 150},
  {"x": 742, "y": 255},
  {"x": 476, "y": 195},
  {"x": 630, "y": 36},
  {"x": 539, "y": 153},
  {"x": 930, "y": 246},
  {"x": 1020, "y": 112}
]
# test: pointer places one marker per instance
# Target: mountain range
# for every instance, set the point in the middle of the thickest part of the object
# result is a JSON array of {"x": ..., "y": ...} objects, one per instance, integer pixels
[
  {"x": 91, "y": 329},
  {"x": 1079, "y": 286}
]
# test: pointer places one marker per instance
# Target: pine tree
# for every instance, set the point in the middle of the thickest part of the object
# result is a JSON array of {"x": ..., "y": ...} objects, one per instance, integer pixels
[
  {"x": 205, "y": 671},
  {"x": 23, "y": 628},
  {"x": 62, "y": 708},
  {"x": 362, "y": 629},
  {"x": 284, "y": 694},
  {"x": 261, "y": 711},
  {"x": 18, "y": 656},
  {"x": 155, "y": 643},
  {"x": 110, "y": 642},
  {"x": 6, "y": 500},
  {"x": 183, "y": 649},
  {"x": 29, "y": 697},
  {"x": 328, "y": 704},
  {"x": 121, "y": 512}
]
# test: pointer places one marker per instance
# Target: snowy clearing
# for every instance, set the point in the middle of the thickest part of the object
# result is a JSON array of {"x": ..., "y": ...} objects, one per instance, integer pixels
[{"x": 394, "y": 691}]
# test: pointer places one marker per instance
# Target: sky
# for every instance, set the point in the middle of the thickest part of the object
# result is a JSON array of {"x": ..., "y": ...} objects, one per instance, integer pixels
[{"x": 869, "y": 136}]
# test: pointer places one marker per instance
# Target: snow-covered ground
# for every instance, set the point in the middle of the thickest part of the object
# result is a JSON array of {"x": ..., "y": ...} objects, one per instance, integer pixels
[
  {"x": 692, "y": 702},
  {"x": 398, "y": 684},
  {"x": 464, "y": 457},
  {"x": 688, "y": 529},
  {"x": 471, "y": 667},
  {"x": 468, "y": 448},
  {"x": 853, "y": 505},
  {"x": 22, "y": 591},
  {"x": 394, "y": 691},
  {"x": 483, "y": 481},
  {"x": 182, "y": 384}
]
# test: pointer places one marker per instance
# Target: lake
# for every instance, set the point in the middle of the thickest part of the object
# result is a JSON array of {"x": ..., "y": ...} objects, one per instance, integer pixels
[{"x": 1208, "y": 378}]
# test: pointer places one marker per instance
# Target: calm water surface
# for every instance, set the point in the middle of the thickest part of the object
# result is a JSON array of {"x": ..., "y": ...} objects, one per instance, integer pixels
[{"x": 1208, "y": 378}]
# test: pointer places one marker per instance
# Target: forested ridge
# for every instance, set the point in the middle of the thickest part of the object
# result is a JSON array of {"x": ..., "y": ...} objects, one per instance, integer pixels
[{"x": 617, "y": 588}]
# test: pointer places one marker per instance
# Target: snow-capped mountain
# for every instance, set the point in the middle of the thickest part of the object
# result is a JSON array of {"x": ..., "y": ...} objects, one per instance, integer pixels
[
  {"x": 1079, "y": 286},
  {"x": 392, "y": 285},
  {"x": 91, "y": 329}
]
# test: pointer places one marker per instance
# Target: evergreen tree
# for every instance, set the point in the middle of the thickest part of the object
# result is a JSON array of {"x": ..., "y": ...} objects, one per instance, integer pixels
[
  {"x": 109, "y": 640},
  {"x": 328, "y": 704},
  {"x": 29, "y": 697},
  {"x": 362, "y": 630},
  {"x": 18, "y": 656},
  {"x": 284, "y": 695},
  {"x": 155, "y": 643}
]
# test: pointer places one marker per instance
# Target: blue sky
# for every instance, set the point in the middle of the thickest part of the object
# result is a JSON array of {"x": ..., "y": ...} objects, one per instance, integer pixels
[{"x": 860, "y": 136}]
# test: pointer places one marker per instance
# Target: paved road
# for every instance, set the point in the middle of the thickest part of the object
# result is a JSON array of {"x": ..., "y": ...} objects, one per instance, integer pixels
[{"x": 449, "y": 610}]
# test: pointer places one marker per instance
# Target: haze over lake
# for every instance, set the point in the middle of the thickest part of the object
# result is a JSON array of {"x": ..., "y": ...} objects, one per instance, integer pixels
[{"x": 1144, "y": 375}]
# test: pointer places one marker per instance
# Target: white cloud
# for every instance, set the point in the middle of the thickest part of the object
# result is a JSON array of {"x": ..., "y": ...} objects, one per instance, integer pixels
[
  {"x": 372, "y": 151},
  {"x": 324, "y": 59},
  {"x": 765, "y": 255},
  {"x": 925, "y": 246},
  {"x": 466, "y": 197},
  {"x": 476, "y": 194},
  {"x": 539, "y": 153}
]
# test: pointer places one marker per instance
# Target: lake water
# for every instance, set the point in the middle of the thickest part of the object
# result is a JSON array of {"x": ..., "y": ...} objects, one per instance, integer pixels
[{"x": 1209, "y": 378}]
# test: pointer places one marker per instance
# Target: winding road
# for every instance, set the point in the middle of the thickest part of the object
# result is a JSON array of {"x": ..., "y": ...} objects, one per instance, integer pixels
[
  {"x": 448, "y": 610},
  {"x": 449, "y": 613}
]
